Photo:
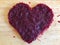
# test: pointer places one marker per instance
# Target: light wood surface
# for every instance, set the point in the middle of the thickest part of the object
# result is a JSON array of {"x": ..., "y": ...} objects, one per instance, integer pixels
[{"x": 49, "y": 37}]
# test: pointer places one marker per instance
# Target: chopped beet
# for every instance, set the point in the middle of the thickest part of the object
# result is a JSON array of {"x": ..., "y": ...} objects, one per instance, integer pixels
[
  {"x": 30, "y": 22},
  {"x": 58, "y": 21}
]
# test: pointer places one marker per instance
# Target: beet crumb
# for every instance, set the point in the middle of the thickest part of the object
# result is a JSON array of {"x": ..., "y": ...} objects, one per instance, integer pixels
[
  {"x": 13, "y": 36},
  {"x": 29, "y": 2},
  {"x": 30, "y": 22},
  {"x": 58, "y": 21}
]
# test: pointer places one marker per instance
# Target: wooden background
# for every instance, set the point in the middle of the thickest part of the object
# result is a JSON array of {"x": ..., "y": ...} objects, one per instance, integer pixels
[{"x": 7, "y": 32}]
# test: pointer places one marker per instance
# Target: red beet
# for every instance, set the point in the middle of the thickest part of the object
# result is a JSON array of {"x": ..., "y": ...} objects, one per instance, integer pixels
[{"x": 30, "y": 22}]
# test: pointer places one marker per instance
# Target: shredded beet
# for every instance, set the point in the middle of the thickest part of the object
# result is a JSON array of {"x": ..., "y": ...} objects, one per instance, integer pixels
[{"x": 30, "y": 22}]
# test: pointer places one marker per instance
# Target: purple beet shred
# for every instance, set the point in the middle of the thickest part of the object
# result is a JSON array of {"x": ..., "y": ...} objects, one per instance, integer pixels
[{"x": 30, "y": 22}]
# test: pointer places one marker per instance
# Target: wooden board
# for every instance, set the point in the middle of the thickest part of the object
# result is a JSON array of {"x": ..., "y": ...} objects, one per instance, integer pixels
[{"x": 7, "y": 32}]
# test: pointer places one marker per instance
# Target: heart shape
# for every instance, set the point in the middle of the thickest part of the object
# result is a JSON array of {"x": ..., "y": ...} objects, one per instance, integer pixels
[{"x": 30, "y": 22}]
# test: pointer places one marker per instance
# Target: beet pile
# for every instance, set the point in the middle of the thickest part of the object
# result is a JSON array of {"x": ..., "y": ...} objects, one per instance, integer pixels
[{"x": 30, "y": 22}]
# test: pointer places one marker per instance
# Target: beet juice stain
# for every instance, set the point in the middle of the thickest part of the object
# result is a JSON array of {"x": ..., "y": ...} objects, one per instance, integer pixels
[{"x": 30, "y": 22}]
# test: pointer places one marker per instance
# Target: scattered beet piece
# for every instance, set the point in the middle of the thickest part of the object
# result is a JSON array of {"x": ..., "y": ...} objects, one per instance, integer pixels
[
  {"x": 29, "y": 2},
  {"x": 13, "y": 36},
  {"x": 30, "y": 22},
  {"x": 58, "y": 15},
  {"x": 58, "y": 21}
]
